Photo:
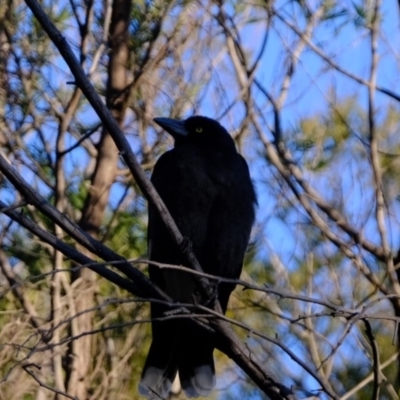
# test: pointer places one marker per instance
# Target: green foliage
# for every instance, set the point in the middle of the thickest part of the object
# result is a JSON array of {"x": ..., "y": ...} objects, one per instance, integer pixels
[
  {"x": 127, "y": 233},
  {"x": 146, "y": 22},
  {"x": 322, "y": 137}
]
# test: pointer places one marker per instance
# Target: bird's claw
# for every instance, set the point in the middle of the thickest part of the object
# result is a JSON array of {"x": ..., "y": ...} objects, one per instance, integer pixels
[{"x": 212, "y": 295}]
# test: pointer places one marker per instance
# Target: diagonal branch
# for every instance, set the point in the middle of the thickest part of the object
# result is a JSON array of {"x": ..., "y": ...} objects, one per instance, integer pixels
[
  {"x": 44, "y": 385},
  {"x": 69, "y": 251}
]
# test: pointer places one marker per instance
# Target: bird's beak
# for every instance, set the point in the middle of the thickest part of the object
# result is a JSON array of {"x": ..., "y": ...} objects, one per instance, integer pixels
[{"x": 174, "y": 127}]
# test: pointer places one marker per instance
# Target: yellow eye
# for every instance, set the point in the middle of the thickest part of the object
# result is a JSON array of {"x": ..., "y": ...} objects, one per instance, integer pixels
[{"x": 198, "y": 129}]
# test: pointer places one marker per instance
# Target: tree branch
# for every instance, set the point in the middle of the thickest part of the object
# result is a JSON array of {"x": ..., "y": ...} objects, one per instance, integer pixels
[{"x": 375, "y": 359}]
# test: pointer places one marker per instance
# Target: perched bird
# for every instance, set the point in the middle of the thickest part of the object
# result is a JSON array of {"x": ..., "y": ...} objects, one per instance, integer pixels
[{"x": 206, "y": 186}]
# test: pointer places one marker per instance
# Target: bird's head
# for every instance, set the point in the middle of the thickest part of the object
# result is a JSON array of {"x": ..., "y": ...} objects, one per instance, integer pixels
[{"x": 196, "y": 129}]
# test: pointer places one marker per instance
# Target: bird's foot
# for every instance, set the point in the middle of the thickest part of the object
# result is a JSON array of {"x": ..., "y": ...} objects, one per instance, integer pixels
[{"x": 212, "y": 295}]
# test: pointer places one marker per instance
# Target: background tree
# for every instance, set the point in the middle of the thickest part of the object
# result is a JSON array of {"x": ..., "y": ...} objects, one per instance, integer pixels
[{"x": 309, "y": 92}]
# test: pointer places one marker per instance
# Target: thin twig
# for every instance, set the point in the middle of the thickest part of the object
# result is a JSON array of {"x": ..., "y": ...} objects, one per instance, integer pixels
[
  {"x": 369, "y": 378},
  {"x": 6, "y": 208},
  {"x": 375, "y": 358},
  {"x": 80, "y": 140},
  {"x": 59, "y": 392},
  {"x": 329, "y": 59},
  {"x": 69, "y": 251}
]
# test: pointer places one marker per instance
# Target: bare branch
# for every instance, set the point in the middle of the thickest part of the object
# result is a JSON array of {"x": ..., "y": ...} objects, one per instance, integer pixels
[
  {"x": 27, "y": 367},
  {"x": 330, "y": 61},
  {"x": 375, "y": 359},
  {"x": 370, "y": 377}
]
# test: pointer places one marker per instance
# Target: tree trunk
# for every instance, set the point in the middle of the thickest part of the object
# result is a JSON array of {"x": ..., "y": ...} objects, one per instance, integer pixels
[{"x": 96, "y": 202}]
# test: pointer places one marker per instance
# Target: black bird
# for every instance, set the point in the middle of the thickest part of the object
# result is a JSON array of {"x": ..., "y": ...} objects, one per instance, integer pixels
[{"x": 206, "y": 186}]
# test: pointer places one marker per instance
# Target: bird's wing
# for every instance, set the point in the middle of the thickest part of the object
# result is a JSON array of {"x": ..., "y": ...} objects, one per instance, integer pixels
[
  {"x": 229, "y": 224},
  {"x": 183, "y": 185}
]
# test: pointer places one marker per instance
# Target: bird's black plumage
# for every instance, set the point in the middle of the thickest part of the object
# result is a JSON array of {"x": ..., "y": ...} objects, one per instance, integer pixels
[{"x": 206, "y": 186}]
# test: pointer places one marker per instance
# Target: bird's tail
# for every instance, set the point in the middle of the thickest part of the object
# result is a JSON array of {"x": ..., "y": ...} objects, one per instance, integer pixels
[
  {"x": 160, "y": 368},
  {"x": 183, "y": 349},
  {"x": 196, "y": 364}
]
